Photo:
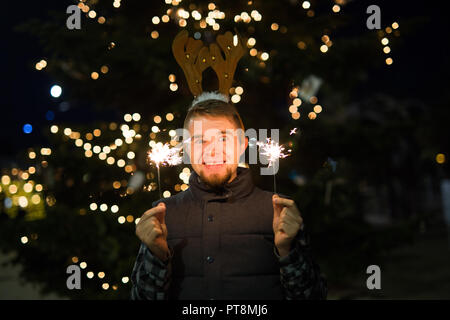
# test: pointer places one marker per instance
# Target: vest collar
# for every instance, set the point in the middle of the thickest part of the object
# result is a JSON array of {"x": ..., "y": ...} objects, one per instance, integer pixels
[{"x": 239, "y": 187}]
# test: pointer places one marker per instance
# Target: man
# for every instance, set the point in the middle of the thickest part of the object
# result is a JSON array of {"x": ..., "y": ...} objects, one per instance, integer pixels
[{"x": 223, "y": 237}]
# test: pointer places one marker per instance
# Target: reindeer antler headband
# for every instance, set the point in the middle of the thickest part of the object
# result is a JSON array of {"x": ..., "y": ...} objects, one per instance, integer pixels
[{"x": 193, "y": 57}]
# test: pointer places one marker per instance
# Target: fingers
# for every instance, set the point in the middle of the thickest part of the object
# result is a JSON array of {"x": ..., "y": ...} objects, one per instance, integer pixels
[
  {"x": 159, "y": 212},
  {"x": 276, "y": 208},
  {"x": 283, "y": 201}
]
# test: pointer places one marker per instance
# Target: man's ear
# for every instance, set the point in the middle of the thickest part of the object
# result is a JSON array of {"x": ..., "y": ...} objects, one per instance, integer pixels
[{"x": 243, "y": 146}]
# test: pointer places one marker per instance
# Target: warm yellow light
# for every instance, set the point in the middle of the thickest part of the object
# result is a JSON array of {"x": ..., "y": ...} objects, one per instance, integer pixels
[
  {"x": 324, "y": 48},
  {"x": 78, "y": 142},
  {"x": 264, "y": 56},
  {"x": 127, "y": 117},
  {"x": 318, "y": 108},
  {"x": 130, "y": 218},
  {"x": 296, "y": 115},
  {"x": 301, "y": 45},
  {"x": 67, "y": 131},
  {"x": 136, "y": 116},
  {"x": 253, "y": 52},
  {"x": 154, "y": 34},
  {"x": 169, "y": 117},
  {"x": 239, "y": 90},
  {"x": 28, "y": 187},
  {"x": 54, "y": 129},
  {"x": 173, "y": 87},
  {"x": 90, "y": 274},
  {"x": 35, "y": 199},
  {"x": 155, "y": 20},
  {"x": 386, "y": 49},
  {"x": 251, "y": 42},
  {"x": 83, "y": 265},
  {"x": 104, "y": 69},
  {"x": 389, "y": 61},
  {"x": 306, "y": 4},
  {"x": 110, "y": 160},
  {"x": 92, "y": 14},
  {"x": 121, "y": 219},
  {"x": 97, "y": 132},
  {"x": 6, "y": 180},
  {"x": 297, "y": 102},
  {"x": 336, "y": 8},
  {"x": 101, "y": 20},
  {"x": 12, "y": 189},
  {"x": 38, "y": 187},
  {"x": 32, "y": 170},
  {"x": 384, "y": 41},
  {"x": 94, "y": 75},
  {"x": 312, "y": 115},
  {"x": 165, "y": 18},
  {"x": 24, "y": 239},
  {"x": 121, "y": 163},
  {"x": 235, "y": 98},
  {"x": 172, "y": 78},
  {"x": 101, "y": 274},
  {"x": 32, "y": 155},
  {"x": 395, "y": 25},
  {"x": 440, "y": 158},
  {"x": 313, "y": 99},
  {"x": 157, "y": 119},
  {"x": 274, "y": 26},
  {"x": 293, "y": 109},
  {"x": 23, "y": 201}
]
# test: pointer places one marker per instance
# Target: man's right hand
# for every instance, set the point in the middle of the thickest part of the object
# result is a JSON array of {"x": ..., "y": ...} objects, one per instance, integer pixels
[{"x": 152, "y": 231}]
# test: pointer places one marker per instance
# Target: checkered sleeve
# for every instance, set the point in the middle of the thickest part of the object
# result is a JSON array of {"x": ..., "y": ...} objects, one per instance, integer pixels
[
  {"x": 150, "y": 276},
  {"x": 299, "y": 274}
]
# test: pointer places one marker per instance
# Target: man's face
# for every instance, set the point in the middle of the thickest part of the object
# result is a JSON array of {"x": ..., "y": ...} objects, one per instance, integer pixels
[{"x": 215, "y": 149}]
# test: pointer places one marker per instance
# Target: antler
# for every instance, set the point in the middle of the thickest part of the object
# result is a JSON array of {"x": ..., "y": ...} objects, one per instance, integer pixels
[
  {"x": 193, "y": 60},
  {"x": 225, "y": 68}
]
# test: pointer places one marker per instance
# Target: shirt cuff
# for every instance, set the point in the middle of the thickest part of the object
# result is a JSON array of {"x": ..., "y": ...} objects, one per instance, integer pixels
[
  {"x": 150, "y": 259},
  {"x": 300, "y": 241}
]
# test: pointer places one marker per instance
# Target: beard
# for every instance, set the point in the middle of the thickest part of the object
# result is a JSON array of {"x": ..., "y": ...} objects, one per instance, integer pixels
[{"x": 215, "y": 181}]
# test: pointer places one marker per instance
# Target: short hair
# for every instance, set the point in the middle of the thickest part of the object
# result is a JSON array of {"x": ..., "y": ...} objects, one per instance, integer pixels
[{"x": 214, "y": 108}]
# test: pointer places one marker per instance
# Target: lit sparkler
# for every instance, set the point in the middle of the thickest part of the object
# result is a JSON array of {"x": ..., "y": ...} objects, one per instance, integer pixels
[
  {"x": 273, "y": 151},
  {"x": 164, "y": 155}
]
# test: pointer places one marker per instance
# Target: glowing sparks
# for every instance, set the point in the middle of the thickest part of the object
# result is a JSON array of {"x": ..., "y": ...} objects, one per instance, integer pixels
[
  {"x": 165, "y": 155},
  {"x": 272, "y": 150},
  {"x": 293, "y": 131}
]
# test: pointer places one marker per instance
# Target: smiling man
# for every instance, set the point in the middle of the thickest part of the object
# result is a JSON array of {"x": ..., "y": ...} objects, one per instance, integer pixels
[{"x": 223, "y": 237}]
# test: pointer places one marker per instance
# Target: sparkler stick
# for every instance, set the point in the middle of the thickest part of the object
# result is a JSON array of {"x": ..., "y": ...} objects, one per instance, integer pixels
[
  {"x": 163, "y": 154},
  {"x": 273, "y": 151}
]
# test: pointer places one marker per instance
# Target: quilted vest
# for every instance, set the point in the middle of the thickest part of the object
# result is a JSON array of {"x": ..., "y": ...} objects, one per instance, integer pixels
[{"x": 223, "y": 242}]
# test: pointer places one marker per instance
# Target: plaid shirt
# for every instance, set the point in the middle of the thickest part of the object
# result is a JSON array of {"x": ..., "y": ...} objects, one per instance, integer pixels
[{"x": 299, "y": 274}]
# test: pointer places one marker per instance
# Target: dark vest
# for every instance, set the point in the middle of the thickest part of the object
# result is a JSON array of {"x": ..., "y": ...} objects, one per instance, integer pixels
[{"x": 223, "y": 241}]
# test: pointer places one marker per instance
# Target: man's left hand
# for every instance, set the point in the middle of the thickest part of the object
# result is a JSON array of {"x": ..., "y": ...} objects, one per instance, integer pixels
[{"x": 286, "y": 223}]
